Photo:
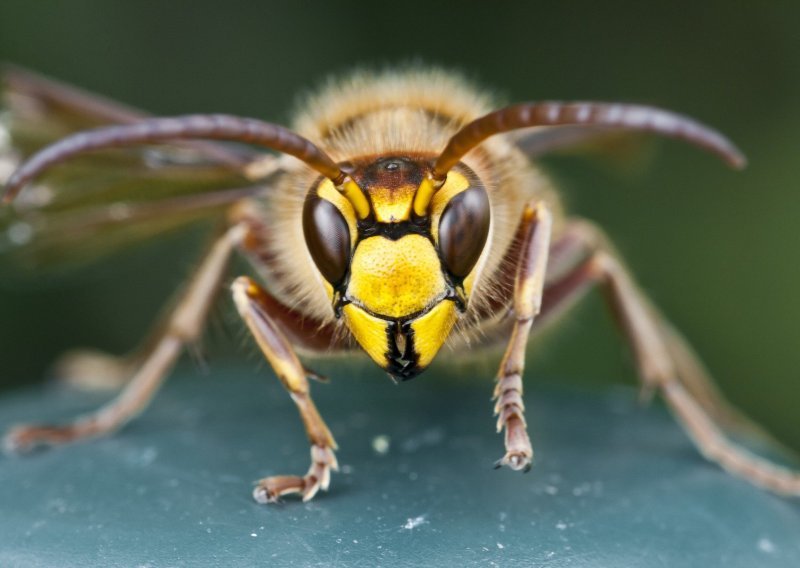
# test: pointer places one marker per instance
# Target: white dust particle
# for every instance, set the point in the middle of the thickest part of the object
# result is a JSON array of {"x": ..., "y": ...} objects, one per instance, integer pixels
[
  {"x": 57, "y": 505},
  {"x": 142, "y": 458},
  {"x": 253, "y": 535},
  {"x": 428, "y": 438},
  {"x": 380, "y": 444},
  {"x": 411, "y": 524},
  {"x": 500, "y": 546},
  {"x": 766, "y": 546},
  {"x": 561, "y": 525},
  {"x": 581, "y": 489},
  {"x": 148, "y": 456}
]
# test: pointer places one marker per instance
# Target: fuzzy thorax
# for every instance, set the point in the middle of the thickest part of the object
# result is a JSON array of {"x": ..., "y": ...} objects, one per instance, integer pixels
[{"x": 407, "y": 113}]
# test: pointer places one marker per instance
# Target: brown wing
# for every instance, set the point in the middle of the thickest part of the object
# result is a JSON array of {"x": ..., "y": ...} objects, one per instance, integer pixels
[
  {"x": 623, "y": 150},
  {"x": 93, "y": 205}
]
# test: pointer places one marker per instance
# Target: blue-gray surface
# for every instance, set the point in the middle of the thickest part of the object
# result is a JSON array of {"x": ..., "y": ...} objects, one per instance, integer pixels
[{"x": 614, "y": 484}]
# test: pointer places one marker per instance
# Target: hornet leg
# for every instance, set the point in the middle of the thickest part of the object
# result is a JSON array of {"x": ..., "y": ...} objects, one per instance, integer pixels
[
  {"x": 255, "y": 307},
  {"x": 183, "y": 326},
  {"x": 528, "y": 287},
  {"x": 664, "y": 361}
]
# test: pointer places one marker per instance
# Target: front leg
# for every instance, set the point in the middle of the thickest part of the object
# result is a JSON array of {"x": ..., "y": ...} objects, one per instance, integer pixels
[
  {"x": 536, "y": 228},
  {"x": 255, "y": 307}
]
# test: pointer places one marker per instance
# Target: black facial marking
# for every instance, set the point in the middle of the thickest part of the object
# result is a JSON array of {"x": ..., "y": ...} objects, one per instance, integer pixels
[
  {"x": 396, "y": 231},
  {"x": 402, "y": 365}
]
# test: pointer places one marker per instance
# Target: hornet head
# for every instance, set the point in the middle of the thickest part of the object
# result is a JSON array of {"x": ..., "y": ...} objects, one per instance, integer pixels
[{"x": 397, "y": 254}]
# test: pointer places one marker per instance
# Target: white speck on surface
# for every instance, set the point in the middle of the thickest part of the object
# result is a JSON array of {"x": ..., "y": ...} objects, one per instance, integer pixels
[
  {"x": 550, "y": 554},
  {"x": 766, "y": 546},
  {"x": 57, "y": 505},
  {"x": 381, "y": 444},
  {"x": 500, "y": 546},
  {"x": 428, "y": 438},
  {"x": 411, "y": 524},
  {"x": 142, "y": 458},
  {"x": 253, "y": 535},
  {"x": 581, "y": 489},
  {"x": 148, "y": 456},
  {"x": 20, "y": 233},
  {"x": 355, "y": 541},
  {"x": 561, "y": 525}
]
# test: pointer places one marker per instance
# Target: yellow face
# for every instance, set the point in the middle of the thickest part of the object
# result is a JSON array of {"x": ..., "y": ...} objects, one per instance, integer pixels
[{"x": 399, "y": 279}]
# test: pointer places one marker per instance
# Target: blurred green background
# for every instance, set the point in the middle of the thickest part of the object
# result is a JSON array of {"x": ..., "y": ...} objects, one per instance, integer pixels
[{"x": 716, "y": 249}]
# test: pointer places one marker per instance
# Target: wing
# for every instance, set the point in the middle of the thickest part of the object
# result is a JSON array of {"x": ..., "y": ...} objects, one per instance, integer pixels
[
  {"x": 95, "y": 204},
  {"x": 624, "y": 150}
]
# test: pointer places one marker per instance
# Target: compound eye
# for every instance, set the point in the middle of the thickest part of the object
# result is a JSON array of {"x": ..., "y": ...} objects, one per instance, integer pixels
[
  {"x": 463, "y": 229},
  {"x": 327, "y": 237}
]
